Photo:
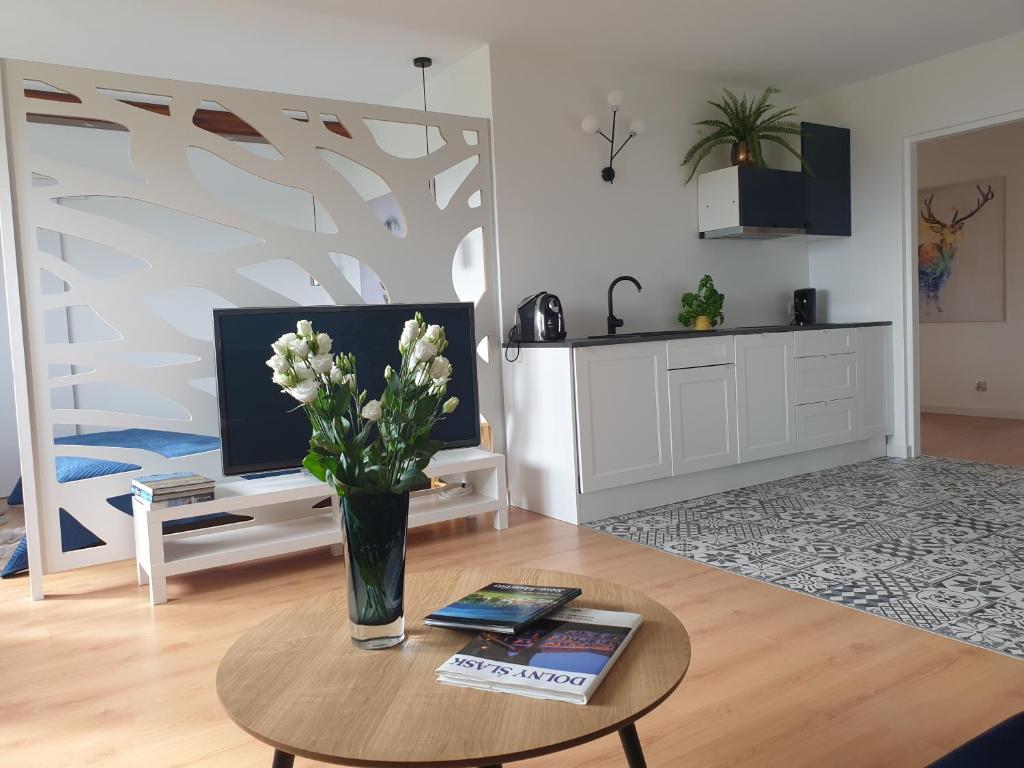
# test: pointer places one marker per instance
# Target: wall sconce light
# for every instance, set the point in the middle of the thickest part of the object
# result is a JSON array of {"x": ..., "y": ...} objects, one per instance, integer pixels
[{"x": 591, "y": 125}]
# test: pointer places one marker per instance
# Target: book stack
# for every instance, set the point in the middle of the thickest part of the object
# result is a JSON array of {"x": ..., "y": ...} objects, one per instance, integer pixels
[
  {"x": 172, "y": 489},
  {"x": 533, "y": 643}
]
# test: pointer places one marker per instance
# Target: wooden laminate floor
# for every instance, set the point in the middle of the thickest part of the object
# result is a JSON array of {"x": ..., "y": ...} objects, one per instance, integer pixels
[
  {"x": 94, "y": 675},
  {"x": 994, "y": 441}
]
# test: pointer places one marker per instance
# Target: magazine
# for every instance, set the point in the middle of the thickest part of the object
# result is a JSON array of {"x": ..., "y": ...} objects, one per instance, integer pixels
[
  {"x": 500, "y": 607},
  {"x": 564, "y": 656}
]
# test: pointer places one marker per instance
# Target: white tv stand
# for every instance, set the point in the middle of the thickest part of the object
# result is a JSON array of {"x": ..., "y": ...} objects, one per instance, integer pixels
[{"x": 288, "y": 515}]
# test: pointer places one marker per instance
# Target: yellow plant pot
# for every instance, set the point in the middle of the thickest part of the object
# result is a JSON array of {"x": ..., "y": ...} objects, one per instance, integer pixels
[{"x": 702, "y": 323}]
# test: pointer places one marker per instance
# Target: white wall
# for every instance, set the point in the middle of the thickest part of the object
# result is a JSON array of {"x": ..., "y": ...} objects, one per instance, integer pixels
[
  {"x": 865, "y": 275},
  {"x": 956, "y": 355},
  {"x": 562, "y": 229}
]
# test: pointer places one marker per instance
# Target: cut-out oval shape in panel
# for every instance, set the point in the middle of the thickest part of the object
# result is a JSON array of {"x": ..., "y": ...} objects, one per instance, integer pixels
[
  {"x": 370, "y": 186},
  {"x": 37, "y": 89},
  {"x": 92, "y": 259},
  {"x": 207, "y": 384},
  {"x": 215, "y": 118},
  {"x": 474, "y": 200},
  {"x": 42, "y": 180},
  {"x": 188, "y": 309},
  {"x": 447, "y": 182},
  {"x": 468, "y": 272},
  {"x": 77, "y": 324},
  {"x": 363, "y": 279},
  {"x": 483, "y": 349},
  {"x": 333, "y": 124},
  {"x": 154, "y": 103},
  {"x": 256, "y": 196},
  {"x": 405, "y": 140},
  {"x": 181, "y": 229},
  {"x": 472, "y": 138},
  {"x": 116, "y": 397},
  {"x": 49, "y": 283},
  {"x": 285, "y": 277},
  {"x": 102, "y": 149}
]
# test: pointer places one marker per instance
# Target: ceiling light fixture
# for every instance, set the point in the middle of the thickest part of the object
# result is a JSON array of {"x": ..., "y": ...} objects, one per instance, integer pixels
[{"x": 591, "y": 125}]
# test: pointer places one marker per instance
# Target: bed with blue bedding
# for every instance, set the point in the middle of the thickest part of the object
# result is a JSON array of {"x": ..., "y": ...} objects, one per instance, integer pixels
[{"x": 73, "y": 534}]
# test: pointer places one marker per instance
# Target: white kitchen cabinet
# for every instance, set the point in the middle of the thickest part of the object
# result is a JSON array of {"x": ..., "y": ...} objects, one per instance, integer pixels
[
  {"x": 825, "y": 341},
  {"x": 702, "y": 403},
  {"x": 874, "y": 382},
  {"x": 765, "y": 395},
  {"x": 825, "y": 377},
  {"x": 622, "y": 414},
  {"x": 819, "y": 425}
]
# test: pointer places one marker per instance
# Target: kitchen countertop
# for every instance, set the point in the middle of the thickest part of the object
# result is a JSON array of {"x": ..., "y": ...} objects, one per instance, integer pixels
[{"x": 637, "y": 337}]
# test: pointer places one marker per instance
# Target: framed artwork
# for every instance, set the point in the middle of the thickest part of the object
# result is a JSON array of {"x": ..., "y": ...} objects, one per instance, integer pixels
[{"x": 961, "y": 233}]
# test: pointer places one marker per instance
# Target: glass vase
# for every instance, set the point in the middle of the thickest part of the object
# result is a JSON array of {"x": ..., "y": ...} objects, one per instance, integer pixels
[{"x": 375, "y": 534}]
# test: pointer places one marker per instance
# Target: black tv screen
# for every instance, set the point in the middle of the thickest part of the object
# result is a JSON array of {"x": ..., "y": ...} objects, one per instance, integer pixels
[{"x": 260, "y": 427}]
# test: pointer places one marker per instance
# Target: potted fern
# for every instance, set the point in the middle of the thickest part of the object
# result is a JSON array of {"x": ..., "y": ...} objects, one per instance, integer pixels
[
  {"x": 703, "y": 310},
  {"x": 746, "y": 124}
]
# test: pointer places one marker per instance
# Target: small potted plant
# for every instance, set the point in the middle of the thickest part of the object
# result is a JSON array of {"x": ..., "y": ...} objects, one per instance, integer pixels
[
  {"x": 703, "y": 310},
  {"x": 747, "y": 123},
  {"x": 371, "y": 452}
]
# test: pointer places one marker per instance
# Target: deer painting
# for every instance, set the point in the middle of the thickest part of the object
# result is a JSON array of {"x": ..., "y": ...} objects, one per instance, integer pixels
[{"x": 938, "y": 243}]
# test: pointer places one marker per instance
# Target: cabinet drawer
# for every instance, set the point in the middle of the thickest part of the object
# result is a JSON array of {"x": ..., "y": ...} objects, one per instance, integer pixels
[
  {"x": 694, "y": 353},
  {"x": 819, "y": 425},
  {"x": 827, "y": 377},
  {"x": 827, "y": 341}
]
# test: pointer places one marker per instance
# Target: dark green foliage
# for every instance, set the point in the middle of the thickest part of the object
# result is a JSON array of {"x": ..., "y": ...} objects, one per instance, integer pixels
[
  {"x": 706, "y": 301},
  {"x": 751, "y": 121}
]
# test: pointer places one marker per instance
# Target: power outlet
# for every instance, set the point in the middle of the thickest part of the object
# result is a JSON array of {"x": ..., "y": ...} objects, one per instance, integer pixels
[{"x": 981, "y": 386}]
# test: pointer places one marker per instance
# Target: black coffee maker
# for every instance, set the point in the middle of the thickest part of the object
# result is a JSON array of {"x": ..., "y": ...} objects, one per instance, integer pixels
[{"x": 805, "y": 306}]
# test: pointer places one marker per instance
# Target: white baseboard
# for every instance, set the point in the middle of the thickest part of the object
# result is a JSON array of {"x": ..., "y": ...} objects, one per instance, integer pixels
[{"x": 971, "y": 410}]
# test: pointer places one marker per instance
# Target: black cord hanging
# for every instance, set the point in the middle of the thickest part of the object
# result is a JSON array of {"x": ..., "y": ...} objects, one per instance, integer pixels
[{"x": 422, "y": 62}]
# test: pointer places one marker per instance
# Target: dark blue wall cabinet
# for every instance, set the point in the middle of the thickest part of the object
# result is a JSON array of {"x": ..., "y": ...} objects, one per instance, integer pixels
[
  {"x": 826, "y": 150},
  {"x": 770, "y": 198}
]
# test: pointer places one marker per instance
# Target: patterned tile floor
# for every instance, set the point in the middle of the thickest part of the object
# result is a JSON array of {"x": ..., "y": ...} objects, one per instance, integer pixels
[{"x": 934, "y": 543}]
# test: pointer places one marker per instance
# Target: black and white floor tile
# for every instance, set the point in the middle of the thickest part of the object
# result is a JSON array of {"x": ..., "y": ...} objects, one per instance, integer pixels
[{"x": 933, "y": 543}]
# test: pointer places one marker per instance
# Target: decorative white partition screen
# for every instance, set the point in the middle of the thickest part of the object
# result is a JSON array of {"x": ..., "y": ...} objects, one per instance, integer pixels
[{"x": 331, "y": 150}]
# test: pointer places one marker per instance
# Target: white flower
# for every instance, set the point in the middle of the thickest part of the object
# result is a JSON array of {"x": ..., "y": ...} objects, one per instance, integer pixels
[
  {"x": 323, "y": 343},
  {"x": 336, "y": 374},
  {"x": 432, "y": 334},
  {"x": 371, "y": 411},
  {"x": 282, "y": 344},
  {"x": 422, "y": 377},
  {"x": 321, "y": 363},
  {"x": 299, "y": 347},
  {"x": 304, "y": 328},
  {"x": 424, "y": 351},
  {"x": 305, "y": 391},
  {"x": 304, "y": 372},
  {"x": 410, "y": 332},
  {"x": 278, "y": 364},
  {"x": 388, "y": 372},
  {"x": 450, "y": 405},
  {"x": 440, "y": 369},
  {"x": 282, "y": 380}
]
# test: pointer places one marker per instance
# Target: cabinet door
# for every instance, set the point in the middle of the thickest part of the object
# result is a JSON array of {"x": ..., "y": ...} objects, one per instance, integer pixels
[
  {"x": 874, "y": 380},
  {"x": 828, "y": 377},
  {"x": 764, "y": 389},
  {"x": 622, "y": 417},
  {"x": 702, "y": 403},
  {"x": 819, "y": 425}
]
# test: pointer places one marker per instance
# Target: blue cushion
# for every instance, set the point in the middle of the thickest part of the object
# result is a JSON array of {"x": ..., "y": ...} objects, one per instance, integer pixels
[{"x": 73, "y": 535}]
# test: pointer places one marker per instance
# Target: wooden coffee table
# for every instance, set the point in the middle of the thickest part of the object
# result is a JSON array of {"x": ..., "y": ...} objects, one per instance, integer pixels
[{"x": 297, "y": 683}]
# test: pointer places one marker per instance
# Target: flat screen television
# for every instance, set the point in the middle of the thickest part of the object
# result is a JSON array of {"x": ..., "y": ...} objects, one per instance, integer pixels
[{"x": 261, "y": 429}]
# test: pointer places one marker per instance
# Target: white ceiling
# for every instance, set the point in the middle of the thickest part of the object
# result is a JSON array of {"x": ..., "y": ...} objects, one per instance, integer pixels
[
  {"x": 362, "y": 49},
  {"x": 800, "y": 45}
]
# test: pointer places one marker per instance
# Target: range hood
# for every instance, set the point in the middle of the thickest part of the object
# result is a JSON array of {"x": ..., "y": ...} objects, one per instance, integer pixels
[
  {"x": 744, "y": 203},
  {"x": 752, "y": 233}
]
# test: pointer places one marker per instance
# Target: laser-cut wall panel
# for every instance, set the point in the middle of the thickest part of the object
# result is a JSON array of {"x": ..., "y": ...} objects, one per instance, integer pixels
[{"x": 123, "y": 215}]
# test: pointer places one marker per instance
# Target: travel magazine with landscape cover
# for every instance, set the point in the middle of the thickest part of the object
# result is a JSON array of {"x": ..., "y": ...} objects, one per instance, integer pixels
[
  {"x": 564, "y": 656},
  {"x": 500, "y": 607}
]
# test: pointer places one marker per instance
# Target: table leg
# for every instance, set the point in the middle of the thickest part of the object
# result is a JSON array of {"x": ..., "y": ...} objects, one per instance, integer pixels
[
  {"x": 631, "y": 746},
  {"x": 282, "y": 759}
]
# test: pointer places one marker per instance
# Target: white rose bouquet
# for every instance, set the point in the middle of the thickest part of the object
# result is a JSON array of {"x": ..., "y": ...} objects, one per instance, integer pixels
[{"x": 361, "y": 446}]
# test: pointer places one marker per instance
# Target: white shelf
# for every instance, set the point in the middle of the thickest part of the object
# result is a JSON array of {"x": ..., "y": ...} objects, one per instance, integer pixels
[
  {"x": 209, "y": 550},
  {"x": 431, "y": 508}
]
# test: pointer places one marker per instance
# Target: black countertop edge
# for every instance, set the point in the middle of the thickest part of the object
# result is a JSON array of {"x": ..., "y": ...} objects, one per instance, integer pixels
[{"x": 626, "y": 338}]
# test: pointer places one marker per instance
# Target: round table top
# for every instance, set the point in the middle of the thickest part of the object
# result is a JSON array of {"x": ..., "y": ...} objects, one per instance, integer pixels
[{"x": 297, "y": 683}]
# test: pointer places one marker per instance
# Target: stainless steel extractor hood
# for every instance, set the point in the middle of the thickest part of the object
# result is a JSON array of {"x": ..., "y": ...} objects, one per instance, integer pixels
[{"x": 751, "y": 233}]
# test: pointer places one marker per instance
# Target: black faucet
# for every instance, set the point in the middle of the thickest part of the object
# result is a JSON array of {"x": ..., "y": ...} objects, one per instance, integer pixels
[{"x": 613, "y": 321}]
